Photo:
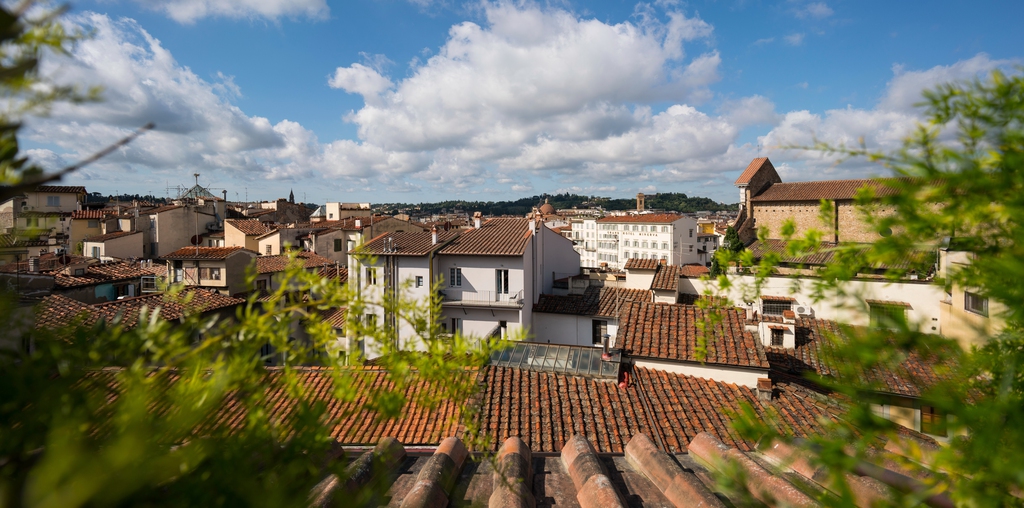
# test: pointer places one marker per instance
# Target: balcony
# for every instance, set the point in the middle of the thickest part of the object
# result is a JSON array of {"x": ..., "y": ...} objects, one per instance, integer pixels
[{"x": 455, "y": 297}]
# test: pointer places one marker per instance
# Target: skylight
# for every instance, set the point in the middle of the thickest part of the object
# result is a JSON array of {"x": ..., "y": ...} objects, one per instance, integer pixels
[{"x": 574, "y": 360}]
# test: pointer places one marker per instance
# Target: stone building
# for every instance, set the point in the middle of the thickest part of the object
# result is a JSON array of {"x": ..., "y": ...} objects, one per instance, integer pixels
[{"x": 767, "y": 201}]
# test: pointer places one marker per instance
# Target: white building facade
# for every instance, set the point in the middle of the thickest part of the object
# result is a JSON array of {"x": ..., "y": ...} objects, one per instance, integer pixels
[{"x": 616, "y": 239}]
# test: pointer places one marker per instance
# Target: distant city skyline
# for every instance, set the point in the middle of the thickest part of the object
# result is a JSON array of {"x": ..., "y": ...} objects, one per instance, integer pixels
[{"x": 423, "y": 101}]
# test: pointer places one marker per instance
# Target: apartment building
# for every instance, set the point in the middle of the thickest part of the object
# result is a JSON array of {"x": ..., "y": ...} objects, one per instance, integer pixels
[
  {"x": 490, "y": 275},
  {"x": 220, "y": 269},
  {"x": 609, "y": 242}
]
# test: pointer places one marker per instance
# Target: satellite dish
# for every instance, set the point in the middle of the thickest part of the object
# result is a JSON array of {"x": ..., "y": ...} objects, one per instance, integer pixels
[{"x": 196, "y": 240}]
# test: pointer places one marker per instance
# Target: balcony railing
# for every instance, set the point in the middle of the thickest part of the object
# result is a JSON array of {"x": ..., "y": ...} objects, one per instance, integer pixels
[{"x": 455, "y": 296}]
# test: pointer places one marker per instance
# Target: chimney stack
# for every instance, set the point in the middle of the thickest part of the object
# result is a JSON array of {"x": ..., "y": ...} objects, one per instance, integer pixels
[
  {"x": 359, "y": 224},
  {"x": 433, "y": 235},
  {"x": 477, "y": 216}
]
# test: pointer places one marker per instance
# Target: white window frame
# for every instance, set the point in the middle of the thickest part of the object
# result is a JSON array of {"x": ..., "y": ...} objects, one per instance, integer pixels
[{"x": 455, "y": 277}]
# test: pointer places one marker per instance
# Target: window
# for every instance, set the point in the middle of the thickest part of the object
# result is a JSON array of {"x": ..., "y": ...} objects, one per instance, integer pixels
[
  {"x": 932, "y": 421},
  {"x": 456, "y": 325},
  {"x": 371, "y": 276},
  {"x": 261, "y": 285},
  {"x": 691, "y": 247},
  {"x": 209, "y": 273},
  {"x": 501, "y": 281},
  {"x": 776, "y": 337},
  {"x": 636, "y": 228},
  {"x": 337, "y": 245},
  {"x": 419, "y": 281},
  {"x": 645, "y": 245},
  {"x": 93, "y": 224},
  {"x": 79, "y": 271},
  {"x": 775, "y": 307},
  {"x": 636, "y": 243},
  {"x": 691, "y": 233},
  {"x": 643, "y": 229},
  {"x": 96, "y": 252},
  {"x": 270, "y": 249},
  {"x": 52, "y": 200},
  {"x": 503, "y": 329},
  {"x": 975, "y": 303},
  {"x": 455, "y": 277},
  {"x": 625, "y": 254},
  {"x": 664, "y": 229},
  {"x": 887, "y": 316},
  {"x": 152, "y": 223},
  {"x": 330, "y": 216},
  {"x": 370, "y": 320},
  {"x": 599, "y": 330}
]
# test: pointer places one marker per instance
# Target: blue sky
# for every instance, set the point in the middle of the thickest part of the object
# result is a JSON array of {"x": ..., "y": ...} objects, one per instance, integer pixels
[{"x": 420, "y": 100}]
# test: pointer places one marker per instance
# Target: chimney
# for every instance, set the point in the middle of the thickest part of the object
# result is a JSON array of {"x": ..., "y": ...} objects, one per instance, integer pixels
[
  {"x": 605, "y": 339},
  {"x": 764, "y": 389},
  {"x": 477, "y": 216},
  {"x": 433, "y": 235},
  {"x": 359, "y": 224},
  {"x": 225, "y": 192}
]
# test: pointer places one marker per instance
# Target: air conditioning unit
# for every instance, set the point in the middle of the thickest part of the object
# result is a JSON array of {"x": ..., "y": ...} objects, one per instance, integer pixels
[
  {"x": 802, "y": 309},
  {"x": 211, "y": 226}
]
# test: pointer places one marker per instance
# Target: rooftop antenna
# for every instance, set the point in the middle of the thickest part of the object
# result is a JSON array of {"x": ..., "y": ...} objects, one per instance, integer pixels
[{"x": 759, "y": 149}]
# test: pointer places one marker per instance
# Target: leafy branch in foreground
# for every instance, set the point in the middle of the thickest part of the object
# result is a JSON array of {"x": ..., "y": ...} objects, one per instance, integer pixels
[
  {"x": 959, "y": 186},
  {"x": 190, "y": 414}
]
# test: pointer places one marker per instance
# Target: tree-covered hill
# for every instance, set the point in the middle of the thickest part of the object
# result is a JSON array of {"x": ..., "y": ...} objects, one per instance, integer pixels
[{"x": 671, "y": 201}]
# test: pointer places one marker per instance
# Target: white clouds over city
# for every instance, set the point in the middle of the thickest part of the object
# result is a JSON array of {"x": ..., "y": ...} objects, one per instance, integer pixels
[{"x": 528, "y": 91}]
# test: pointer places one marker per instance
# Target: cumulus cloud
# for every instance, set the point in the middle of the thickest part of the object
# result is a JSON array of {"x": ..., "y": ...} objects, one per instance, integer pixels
[
  {"x": 815, "y": 10},
  {"x": 794, "y": 39},
  {"x": 190, "y": 11},
  {"x": 880, "y": 128}
]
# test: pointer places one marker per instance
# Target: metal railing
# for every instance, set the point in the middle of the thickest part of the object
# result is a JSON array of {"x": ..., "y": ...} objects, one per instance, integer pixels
[{"x": 454, "y": 296}]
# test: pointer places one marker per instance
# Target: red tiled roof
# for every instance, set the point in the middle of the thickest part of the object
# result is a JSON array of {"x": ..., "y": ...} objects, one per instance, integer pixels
[
  {"x": 206, "y": 252},
  {"x": 546, "y": 409},
  {"x": 813, "y": 352},
  {"x": 496, "y": 237},
  {"x": 642, "y": 264},
  {"x": 693, "y": 270},
  {"x": 419, "y": 243},
  {"x": 595, "y": 301},
  {"x": 88, "y": 214},
  {"x": 250, "y": 227},
  {"x": 666, "y": 278},
  {"x": 751, "y": 170},
  {"x": 278, "y": 263},
  {"x": 111, "y": 236},
  {"x": 56, "y": 311},
  {"x": 658, "y": 218},
  {"x": 160, "y": 209},
  {"x": 47, "y": 262},
  {"x": 105, "y": 273},
  {"x": 333, "y": 271},
  {"x": 824, "y": 189},
  {"x": 670, "y": 332},
  {"x": 825, "y": 254},
  {"x": 335, "y": 317},
  {"x": 61, "y": 189}
]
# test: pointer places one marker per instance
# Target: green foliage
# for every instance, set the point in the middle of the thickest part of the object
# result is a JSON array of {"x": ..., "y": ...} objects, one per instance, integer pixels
[
  {"x": 180, "y": 414},
  {"x": 959, "y": 182},
  {"x": 732, "y": 241}
]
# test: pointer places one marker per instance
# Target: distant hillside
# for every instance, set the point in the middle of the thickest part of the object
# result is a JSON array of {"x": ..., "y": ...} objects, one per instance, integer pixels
[{"x": 671, "y": 201}]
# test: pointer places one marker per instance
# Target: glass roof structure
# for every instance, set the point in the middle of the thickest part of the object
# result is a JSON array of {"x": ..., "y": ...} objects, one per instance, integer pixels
[{"x": 573, "y": 360}]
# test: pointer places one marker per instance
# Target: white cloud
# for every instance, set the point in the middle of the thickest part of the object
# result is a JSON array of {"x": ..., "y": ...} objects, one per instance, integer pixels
[
  {"x": 766, "y": 40},
  {"x": 816, "y": 10},
  {"x": 190, "y": 11},
  {"x": 794, "y": 39},
  {"x": 881, "y": 128}
]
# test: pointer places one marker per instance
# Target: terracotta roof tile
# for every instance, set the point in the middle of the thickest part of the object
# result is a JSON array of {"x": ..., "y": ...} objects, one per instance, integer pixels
[
  {"x": 642, "y": 264},
  {"x": 496, "y": 237},
  {"x": 47, "y": 262},
  {"x": 670, "y": 332},
  {"x": 111, "y": 236},
  {"x": 88, "y": 214},
  {"x": 160, "y": 209},
  {"x": 278, "y": 263},
  {"x": 333, "y": 271},
  {"x": 814, "y": 352},
  {"x": 824, "y": 189},
  {"x": 658, "y": 218},
  {"x": 595, "y": 301},
  {"x": 106, "y": 273},
  {"x": 752, "y": 168},
  {"x": 56, "y": 310},
  {"x": 61, "y": 189},
  {"x": 823, "y": 255},
  {"x": 206, "y": 252},
  {"x": 419, "y": 243},
  {"x": 251, "y": 227}
]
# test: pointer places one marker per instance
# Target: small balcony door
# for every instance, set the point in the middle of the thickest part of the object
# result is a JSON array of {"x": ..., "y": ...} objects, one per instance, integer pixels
[{"x": 501, "y": 285}]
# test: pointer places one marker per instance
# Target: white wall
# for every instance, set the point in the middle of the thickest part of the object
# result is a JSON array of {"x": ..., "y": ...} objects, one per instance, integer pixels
[
  {"x": 923, "y": 297},
  {"x": 736, "y": 375}
]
